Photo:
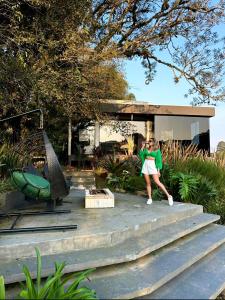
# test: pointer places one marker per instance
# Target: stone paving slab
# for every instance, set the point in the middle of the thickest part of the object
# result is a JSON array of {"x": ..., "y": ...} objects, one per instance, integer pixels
[
  {"x": 142, "y": 277},
  {"x": 96, "y": 227},
  {"x": 129, "y": 250},
  {"x": 203, "y": 280}
]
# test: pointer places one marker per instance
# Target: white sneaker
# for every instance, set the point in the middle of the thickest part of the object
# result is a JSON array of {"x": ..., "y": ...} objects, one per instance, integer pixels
[
  {"x": 149, "y": 201},
  {"x": 170, "y": 199}
]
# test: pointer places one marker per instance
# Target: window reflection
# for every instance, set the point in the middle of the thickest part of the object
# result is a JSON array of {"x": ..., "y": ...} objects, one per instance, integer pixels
[
  {"x": 114, "y": 134},
  {"x": 183, "y": 129}
]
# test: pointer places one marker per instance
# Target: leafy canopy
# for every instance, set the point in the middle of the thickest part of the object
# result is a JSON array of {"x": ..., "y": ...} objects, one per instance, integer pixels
[{"x": 65, "y": 54}]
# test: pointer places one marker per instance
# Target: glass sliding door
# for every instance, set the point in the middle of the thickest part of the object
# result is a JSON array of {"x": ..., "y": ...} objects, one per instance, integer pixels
[{"x": 184, "y": 129}]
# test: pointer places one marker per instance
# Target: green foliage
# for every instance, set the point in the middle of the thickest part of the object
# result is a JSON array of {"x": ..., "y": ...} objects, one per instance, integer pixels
[
  {"x": 10, "y": 159},
  {"x": 56, "y": 286},
  {"x": 123, "y": 174},
  {"x": 197, "y": 181},
  {"x": 213, "y": 173},
  {"x": 157, "y": 194},
  {"x": 206, "y": 192},
  {"x": 2, "y": 288},
  {"x": 115, "y": 166},
  {"x": 112, "y": 165},
  {"x": 186, "y": 184},
  {"x": 118, "y": 182},
  {"x": 126, "y": 182},
  {"x": 135, "y": 183},
  {"x": 5, "y": 185},
  {"x": 132, "y": 165}
]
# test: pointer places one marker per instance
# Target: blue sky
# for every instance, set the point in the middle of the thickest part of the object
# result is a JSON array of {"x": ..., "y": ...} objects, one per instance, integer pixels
[{"x": 162, "y": 90}]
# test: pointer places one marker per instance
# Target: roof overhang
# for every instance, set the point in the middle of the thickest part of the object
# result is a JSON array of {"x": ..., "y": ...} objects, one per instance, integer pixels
[{"x": 135, "y": 108}]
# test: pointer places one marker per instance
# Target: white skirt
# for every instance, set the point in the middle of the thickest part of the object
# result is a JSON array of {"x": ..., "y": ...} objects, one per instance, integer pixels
[{"x": 149, "y": 167}]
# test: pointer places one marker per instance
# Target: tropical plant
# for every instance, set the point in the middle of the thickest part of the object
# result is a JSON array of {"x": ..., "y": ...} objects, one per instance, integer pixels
[
  {"x": 206, "y": 168},
  {"x": 206, "y": 192},
  {"x": 2, "y": 288},
  {"x": 118, "y": 182},
  {"x": 111, "y": 164},
  {"x": 185, "y": 184},
  {"x": 132, "y": 165},
  {"x": 55, "y": 287},
  {"x": 129, "y": 145}
]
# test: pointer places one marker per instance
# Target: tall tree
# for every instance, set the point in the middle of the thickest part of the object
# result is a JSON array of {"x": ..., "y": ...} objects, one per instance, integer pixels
[
  {"x": 56, "y": 53},
  {"x": 181, "y": 30},
  {"x": 47, "y": 59}
]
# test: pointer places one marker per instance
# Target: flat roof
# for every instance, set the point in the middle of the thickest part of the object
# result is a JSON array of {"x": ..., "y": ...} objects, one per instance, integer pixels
[{"x": 133, "y": 107}]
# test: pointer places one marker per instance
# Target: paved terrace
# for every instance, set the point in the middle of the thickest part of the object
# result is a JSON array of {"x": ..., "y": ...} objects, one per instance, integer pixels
[
  {"x": 96, "y": 227},
  {"x": 153, "y": 251}
]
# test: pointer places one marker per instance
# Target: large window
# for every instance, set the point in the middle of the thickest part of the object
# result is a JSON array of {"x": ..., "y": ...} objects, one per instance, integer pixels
[
  {"x": 113, "y": 135},
  {"x": 184, "y": 129}
]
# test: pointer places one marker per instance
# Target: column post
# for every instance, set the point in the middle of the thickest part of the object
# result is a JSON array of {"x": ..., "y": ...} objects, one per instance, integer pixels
[
  {"x": 69, "y": 140},
  {"x": 97, "y": 134}
]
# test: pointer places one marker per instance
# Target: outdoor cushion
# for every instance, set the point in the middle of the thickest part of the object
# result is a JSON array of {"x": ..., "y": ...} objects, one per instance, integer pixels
[{"x": 31, "y": 185}]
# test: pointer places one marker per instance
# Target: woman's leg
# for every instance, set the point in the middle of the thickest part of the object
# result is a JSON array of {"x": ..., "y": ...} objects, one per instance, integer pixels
[
  {"x": 160, "y": 185},
  {"x": 148, "y": 185}
]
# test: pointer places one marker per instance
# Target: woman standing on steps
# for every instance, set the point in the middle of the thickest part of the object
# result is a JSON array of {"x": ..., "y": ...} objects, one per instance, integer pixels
[{"x": 151, "y": 158}]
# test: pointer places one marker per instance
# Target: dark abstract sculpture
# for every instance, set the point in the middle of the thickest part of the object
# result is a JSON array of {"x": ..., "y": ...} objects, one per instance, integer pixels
[{"x": 50, "y": 186}]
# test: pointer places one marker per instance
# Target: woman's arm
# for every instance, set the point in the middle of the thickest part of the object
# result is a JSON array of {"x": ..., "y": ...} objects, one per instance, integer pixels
[
  {"x": 142, "y": 152},
  {"x": 158, "y": 160}
]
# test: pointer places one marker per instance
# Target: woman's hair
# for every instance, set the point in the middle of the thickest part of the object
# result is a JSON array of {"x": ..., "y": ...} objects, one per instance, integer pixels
[{"x": 154, "y": 143}]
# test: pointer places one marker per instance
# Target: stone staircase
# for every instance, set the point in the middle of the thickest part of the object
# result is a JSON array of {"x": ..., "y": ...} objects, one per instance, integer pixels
[{"x": 157, "y": 252}]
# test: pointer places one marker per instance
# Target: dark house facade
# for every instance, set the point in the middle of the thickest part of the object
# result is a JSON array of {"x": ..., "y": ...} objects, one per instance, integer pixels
[{"x": 141, "y": 120}]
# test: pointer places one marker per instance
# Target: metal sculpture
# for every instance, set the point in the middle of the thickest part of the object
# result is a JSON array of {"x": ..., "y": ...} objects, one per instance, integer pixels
[{"x": 38, "y": 142}]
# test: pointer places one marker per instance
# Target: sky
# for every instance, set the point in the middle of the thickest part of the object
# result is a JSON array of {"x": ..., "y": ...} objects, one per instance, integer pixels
[{"x": 163, "y": 91}]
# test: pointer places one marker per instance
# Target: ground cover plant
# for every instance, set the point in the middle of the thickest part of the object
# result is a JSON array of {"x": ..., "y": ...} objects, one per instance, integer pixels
[{"x": 56, "y": 286}]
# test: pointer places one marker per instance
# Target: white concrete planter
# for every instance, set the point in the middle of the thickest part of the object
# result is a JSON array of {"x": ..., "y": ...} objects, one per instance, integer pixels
[{"x": 102, "y": 200}]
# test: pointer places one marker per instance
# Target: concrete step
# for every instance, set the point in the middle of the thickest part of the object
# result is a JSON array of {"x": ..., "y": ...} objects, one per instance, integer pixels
[
  {"x": 83, "y": 186},
  {"x": 97, "y": 228},
  {"x": 81, "y": 180},
  {"x": 203, "y": 280},
  {"x": 80, "y": 174},
  {"x": 142, "y": 277},
  {"x": 130, "y": 250}
]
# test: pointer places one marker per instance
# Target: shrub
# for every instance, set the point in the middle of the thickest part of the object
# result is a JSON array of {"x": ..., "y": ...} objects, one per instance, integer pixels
[
  {"x": 210, "y": 189},
  {"x": 132, "y": 165},
  {"x": 114, "y": 166},
  {"x": 135, "y": 183},
  {"x": 207, "y": 169},
  {"x": 54, "y": 286},
  {"x": 120, "y": 182},
  {"x": 185, "y": 184},
  {"x": 5, "y": 186},
  {"x": 9, "y": 159},
  {"x": 111, "y": 165}
]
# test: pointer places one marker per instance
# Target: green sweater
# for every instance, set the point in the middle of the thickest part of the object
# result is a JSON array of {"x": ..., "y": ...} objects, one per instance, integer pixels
[{"x": 156, "y": 154}]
